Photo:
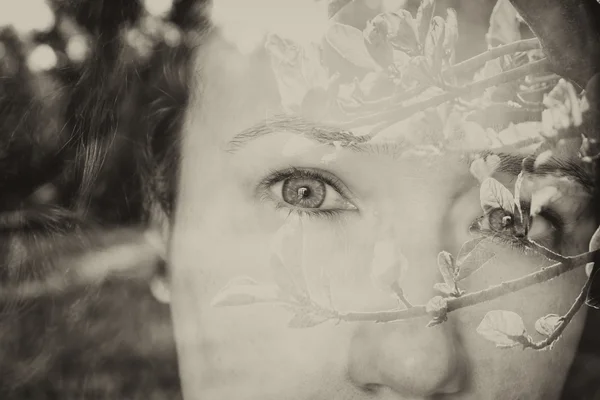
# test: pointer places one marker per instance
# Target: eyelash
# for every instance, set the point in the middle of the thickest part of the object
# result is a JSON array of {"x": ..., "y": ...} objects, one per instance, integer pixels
[{"x": 275, "y": 176}]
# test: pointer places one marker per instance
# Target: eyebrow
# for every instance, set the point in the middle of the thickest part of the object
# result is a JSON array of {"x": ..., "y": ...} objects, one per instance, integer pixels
[
  {"x": 514, "y": 164},
  {"x": 331, "y": 135},
  {"x": 324, "y": 134}
]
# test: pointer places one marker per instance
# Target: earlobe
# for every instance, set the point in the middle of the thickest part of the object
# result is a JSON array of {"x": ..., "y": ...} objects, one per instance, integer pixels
[
  {"x": 160, "y": 288},
  {"x": 160, "y": 282}
]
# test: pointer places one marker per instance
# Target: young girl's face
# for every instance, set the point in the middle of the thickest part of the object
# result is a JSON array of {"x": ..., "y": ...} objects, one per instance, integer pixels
[{"x": 251, "y": 188}]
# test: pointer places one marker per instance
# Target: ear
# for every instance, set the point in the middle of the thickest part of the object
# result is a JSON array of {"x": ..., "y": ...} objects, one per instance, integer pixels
[
  {"x": 160, "y": 282},
  {"x": 160, "y": 286}
]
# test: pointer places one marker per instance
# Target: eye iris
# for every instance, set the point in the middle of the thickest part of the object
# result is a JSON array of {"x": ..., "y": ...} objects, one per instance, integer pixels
[{"x": 302, "y": 192}]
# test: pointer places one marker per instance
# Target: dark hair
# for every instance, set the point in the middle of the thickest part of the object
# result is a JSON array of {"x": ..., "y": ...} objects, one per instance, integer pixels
[{"x": 89, "y": 159}]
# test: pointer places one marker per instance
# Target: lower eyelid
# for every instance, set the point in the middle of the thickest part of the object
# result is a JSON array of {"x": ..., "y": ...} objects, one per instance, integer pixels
[{"x": 308, "y": 212}]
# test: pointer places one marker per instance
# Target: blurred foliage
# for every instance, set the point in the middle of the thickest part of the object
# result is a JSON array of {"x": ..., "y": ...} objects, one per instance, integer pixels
[
  {"x": 83, "y": 83},
  {"x": 90, "y": 94}
]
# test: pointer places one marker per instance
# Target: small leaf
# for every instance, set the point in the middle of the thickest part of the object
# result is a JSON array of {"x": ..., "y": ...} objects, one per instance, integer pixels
[
  {"x": 467, "y": 248},
  {"x": 594, "y": 245},
  {"x": 244, "y": 291},
  {"x": 418, "y": 69},
  {"x": 286, "y": 260},
  {"x": 376, "y": 85},
  {"x": 324, "y": 283},
  {"x": 349, "y": 43},
  {"x": 504, "y": 24},
  {"x": 593, "y": 294},
  {"x": 473, "y": 255},
  {"x": 521, "y": 131},
  {"x": 378, "y": 44},
  {"x": 494, "y": 195},
  {"x": 305, "y": 319},
  {"x": 505, "y": 328},
  {"x": 285, "y": 280},
  {"x": 434, "y": 44},
  {"x": 548, "y": 324},
  {"x": 424, "y": 16},
  {"x": 473, "y": 265},
  {"x": 447, "y": 267},
  {"x": 565, "y": 110},
  {"x": 402, "y": 31},
  {"x": 482, "y": 168},
  {"x": 296, "y": 68},
  {"x": 388, "y": 264},
  {"x": 489, "y": 70},
  {"x": 438, "y": 308},
  {"x": 518, "y": 188},
  {"x": 451, "y": 34},
  {"x": 436, "y": 305},
  {"x": 335, "y": 6}
]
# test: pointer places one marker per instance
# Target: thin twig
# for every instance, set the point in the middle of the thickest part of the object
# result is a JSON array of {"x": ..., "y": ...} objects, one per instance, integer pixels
[
  {"x": 480, "y": 59},
  {"x": 565, "y": 319},
  {"x": 401, "y": 296},
  {"x": 481, "y": 296},
  {"x": 391, "y": 116},
  {"x": 542, "y": 79},
  {"x": 546, "y": 252}
]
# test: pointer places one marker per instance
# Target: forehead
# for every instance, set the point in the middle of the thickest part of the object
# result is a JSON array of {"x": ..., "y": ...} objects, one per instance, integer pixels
[
  {"x": 236, "y": 98},
  {"x": 231, "y": 90}
]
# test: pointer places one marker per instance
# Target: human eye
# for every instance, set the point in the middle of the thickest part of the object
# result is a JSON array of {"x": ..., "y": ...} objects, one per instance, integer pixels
[
  {"x": 544, "y": 228},
  {"x": 307, "y": 191}
]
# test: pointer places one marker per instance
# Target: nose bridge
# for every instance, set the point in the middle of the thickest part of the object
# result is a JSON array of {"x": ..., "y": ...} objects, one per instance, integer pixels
[{"x": 416, "y": 217}]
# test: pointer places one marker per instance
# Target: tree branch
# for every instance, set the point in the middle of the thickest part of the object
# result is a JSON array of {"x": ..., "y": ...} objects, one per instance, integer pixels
[
  {"x": 398, "y": 114},
  {"x": 481, "y": 296},
  {"x": 564, "y": 320},
  {"x": 480, "y": 59}
]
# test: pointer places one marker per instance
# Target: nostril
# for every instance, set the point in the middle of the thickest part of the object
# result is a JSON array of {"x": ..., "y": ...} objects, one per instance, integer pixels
[{"x": 370, "y": 388}]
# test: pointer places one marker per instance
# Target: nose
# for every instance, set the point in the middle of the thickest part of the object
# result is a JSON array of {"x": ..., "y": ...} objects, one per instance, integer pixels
[{"x": 408, "y": 359}]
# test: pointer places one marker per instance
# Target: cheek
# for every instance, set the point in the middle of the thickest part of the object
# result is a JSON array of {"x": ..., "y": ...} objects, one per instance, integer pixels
[
  {"x": 552, "y": 297},
  {"x": 238, "y": 348}
]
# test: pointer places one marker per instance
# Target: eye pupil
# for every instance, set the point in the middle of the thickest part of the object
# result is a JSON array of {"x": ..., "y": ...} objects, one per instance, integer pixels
[
  {"x": 303, "y": 192},
  {"x": 500, "y": 220}
]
